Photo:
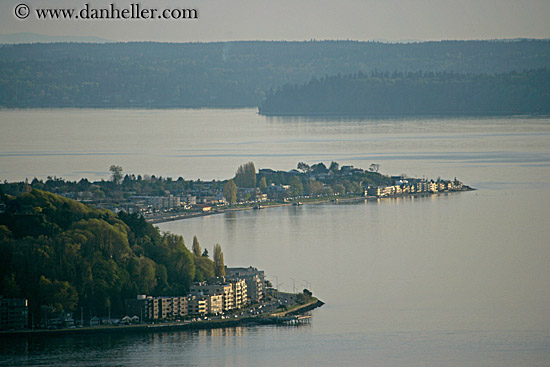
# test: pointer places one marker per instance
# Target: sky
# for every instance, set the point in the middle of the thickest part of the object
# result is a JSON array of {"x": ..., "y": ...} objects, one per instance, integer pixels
[{"x": 229, "y": 20}]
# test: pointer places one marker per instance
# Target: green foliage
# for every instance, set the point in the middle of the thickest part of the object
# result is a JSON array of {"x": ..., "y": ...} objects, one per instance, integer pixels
[
  {"x": 59, "y": 295},
  {"x": 205, "y": 268},
  {"x": 219, "y": 266},
  {"x": 263, "y": 185},
  {"x": 246, "y": 175},
  {"x": 196, "y": 246},
  {"x": 180, "y": 263},
  {"x": 230, "y": 192},
  {"x": 314, "y": 188},
  {"x": 61, "y": 254},
  {"x": 445, "y": 93},
  {"x": 296, "y": 187},
  {"x": 235, "y": 74}
]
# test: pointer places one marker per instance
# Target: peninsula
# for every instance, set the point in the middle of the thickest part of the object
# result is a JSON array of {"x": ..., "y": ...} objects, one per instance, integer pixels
[
  {"x": 160, "y": 199},
  {"x": 66, "y": 265}
]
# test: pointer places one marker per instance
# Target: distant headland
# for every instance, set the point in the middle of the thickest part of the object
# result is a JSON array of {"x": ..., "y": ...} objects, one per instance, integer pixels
[{"x": 160, "y": 199}]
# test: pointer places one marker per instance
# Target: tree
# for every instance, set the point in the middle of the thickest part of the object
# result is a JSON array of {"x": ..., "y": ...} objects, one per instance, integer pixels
[
  {"x": 304, "y": 167},
  {"x": 59, "y": 294},
  {"x": 180, "y": 263},
  {"x": 334, "y": 166},
  {"x": 246, "y": 175},
  {"x": 339, "y": 189},
  {"x": 196, "y": 247},
  {"x": 296, "y": 187},
  {"x": 205, "y": 269},
  {"x": 230, "y": 192},
  {"x": 219, "y": 266},
  {"x": 319, "y": 168},
  {"x": 314, "y": 187},
  {"x": 205, "y": 253},
  {"x": 263, "y": 185},
  {"x": 374, "y": 167},
  {"x": 116, "y": 174}
]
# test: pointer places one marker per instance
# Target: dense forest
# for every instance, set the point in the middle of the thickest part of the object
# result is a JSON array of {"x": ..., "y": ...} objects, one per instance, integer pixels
[
  {"x": 415, "y": 93},
  {"x": 233, "y": 74},
  {"x": 63, "y": 255}
]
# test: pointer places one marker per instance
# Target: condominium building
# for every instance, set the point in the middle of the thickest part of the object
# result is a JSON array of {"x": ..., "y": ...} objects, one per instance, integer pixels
[
  {"x": 157, "y": 308},
  {"x": 239, "y": 291},
  {"x": 254, "y": 279},
  {"x": 214, "y": 304},
  {"x": 14, "y": 313},
  {"x": 214, "y": 287},
  {"x": 197, "y": 305}
]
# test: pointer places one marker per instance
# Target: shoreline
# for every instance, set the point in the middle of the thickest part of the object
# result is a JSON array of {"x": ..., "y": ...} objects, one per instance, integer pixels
[
  {"x": 280, "y": 318},
  {"x": 164, "y": 218}
]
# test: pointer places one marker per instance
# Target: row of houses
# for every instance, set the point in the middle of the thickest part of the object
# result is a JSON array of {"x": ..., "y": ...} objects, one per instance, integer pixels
[
  {"x": 240, "y": 286},
  {"x": 403, "y": 187}
]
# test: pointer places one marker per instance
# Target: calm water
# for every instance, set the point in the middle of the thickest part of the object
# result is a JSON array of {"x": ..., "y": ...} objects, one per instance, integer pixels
[{"x": 451, "y": 280}]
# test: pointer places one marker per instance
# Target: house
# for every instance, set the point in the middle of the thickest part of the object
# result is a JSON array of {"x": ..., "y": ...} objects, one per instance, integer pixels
[{"x": 94, "y": 321}]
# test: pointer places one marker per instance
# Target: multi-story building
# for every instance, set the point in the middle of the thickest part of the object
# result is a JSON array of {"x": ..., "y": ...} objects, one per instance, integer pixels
[
  {"x": 254, "y": 279},
  {"x": 157, "y": 308},
  {"x": 216, "y": 286},
  {"x": 214, "y": 304},
  {"x": 232, "y": 289},
  {"x": 14, "y": 313},
  {"x": 197, "y": 305},
  {"x": 239, "y": 291},
  {"x": 432, "y": 186}
]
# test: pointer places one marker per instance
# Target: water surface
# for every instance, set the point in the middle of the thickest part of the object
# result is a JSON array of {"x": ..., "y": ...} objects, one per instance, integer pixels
[{"x": 450, "y": 280}]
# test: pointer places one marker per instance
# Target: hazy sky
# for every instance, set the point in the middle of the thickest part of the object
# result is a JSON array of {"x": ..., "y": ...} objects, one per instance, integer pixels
[{"x": 299, "y": 20}]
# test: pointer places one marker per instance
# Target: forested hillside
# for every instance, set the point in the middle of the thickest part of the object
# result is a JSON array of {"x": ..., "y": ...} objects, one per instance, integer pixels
[
  {"x": 63, "y": 255},
  {"x": 234, "y": 74},
  {"x": 417, "y": 93}
]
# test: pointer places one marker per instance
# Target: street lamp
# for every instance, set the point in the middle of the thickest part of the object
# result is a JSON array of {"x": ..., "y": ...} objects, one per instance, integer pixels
[{"x": 293, "y": 286}]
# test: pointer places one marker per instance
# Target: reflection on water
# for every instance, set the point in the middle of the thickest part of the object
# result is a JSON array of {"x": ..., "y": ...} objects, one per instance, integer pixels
[
  {"x": 444, "y": 280},
  {"x": 250, "y": 347}
]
